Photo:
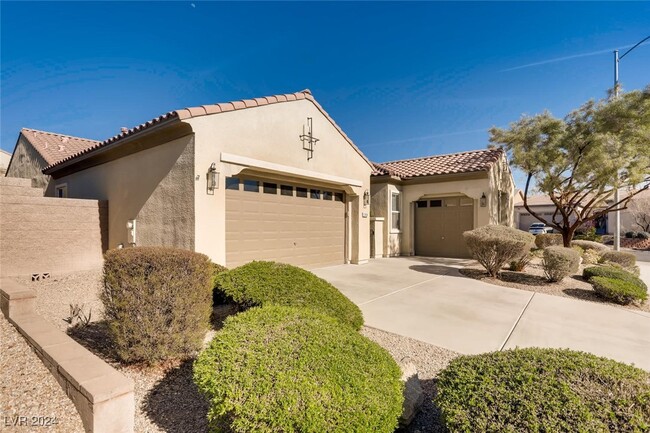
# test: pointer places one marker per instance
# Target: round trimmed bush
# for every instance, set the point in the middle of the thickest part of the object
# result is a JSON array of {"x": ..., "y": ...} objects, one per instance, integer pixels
[
  {"x": 625, "y": 259},
  {"x": 544, "y": 240},
  {"x": 560, "y": 262},
  {"x": 589, "y": 245},
  {"x": 631, "y": 234},
  {"x": 543, "y": 390},
  {"x": 157, "y": 302},
  {"x": 493, "y": 246},
  {"x": 643, "y": 235},
  {"x": 269, "y": 283},
  {"x": 287, "y": 369},
  {"x": 620, "y": 291}
]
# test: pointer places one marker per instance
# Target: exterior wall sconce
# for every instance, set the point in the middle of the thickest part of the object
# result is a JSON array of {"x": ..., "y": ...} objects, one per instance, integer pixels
[
  {"x": 212, "y": 178},
  {"x": 366, "y": 198},
  {"x": 483, "y": 200}
]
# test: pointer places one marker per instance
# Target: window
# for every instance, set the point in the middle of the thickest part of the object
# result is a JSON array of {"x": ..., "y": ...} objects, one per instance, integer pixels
[
  {"x": 394, "y": 211},
  {"x": 327, "y": 195},
  {"x": 286, "y": 190},
  {"x": 252, "y": 186},
  {"x": 315, "y": 194},
  {"x": 421, "y": 203},
  {"x": 338, "y": 196},
  {"x": 435, "y": 203},
  {"x": 301, "y": 192},
  {"x": 232, "y": 183},
  {"x": 62, "y": 190},
  {"x": 270, "y": 188}
]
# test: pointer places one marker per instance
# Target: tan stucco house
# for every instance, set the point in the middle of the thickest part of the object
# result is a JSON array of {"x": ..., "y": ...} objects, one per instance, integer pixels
[
  {"x": 422, "y": 206},
  {"x": 271, "y": 178}
]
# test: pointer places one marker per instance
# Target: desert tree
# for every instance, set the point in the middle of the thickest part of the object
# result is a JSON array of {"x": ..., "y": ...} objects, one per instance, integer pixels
[
  {"x": 640, "y": 210},
  {"x": 580, "y": 161}
]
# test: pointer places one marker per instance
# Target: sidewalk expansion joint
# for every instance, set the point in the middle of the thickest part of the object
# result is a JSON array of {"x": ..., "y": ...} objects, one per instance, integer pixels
[
  {"x": 399, "y": 290},
  {"x": 514, "y": 326}
]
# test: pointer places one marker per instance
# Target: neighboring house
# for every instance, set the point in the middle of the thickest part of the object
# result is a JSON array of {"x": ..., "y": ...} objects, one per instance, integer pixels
[
  {"x": 36, "y": 150},
  {"x": 270, "y": 178},
  {"x": 5, "y": 157},
  {"x": 425, "y": 204},
  {"x": 543, "y": 206},
  {"x": 540, "y": 204}
]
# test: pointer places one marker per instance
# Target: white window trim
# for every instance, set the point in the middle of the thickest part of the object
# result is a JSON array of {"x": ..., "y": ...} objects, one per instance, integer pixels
[
  {"x": 399, "y": 211},
  {"x": 64, "y": 187}
]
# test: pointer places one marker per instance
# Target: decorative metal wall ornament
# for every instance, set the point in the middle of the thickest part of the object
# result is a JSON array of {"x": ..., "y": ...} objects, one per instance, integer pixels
[
  {"x": 366, "y": 198},
  {"x": 308, "y": 139}
]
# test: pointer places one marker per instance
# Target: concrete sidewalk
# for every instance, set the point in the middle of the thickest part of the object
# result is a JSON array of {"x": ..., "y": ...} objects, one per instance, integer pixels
[{"x": 427, "y": 299}]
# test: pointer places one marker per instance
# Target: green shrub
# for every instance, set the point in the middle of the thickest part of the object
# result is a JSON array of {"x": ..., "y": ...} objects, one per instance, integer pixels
[
  {"x": 543, "y": 390},
  {"x": 589, "y": 245},
  {"x": 643, "y": 235},
  {"x": 218, "y": 298},
  {"x": 548, "y": 239},
  {"x": 589, "y": 235},
  {"x": 631, "y": 235},
  {"x": 494, "y": 246},
  {"x": 560, "y": 262},
  {"x": 270, "y": 283},
  {"x": 625, "y": 259},
  {"x": 617, "y": 290},
  {"x": 610, "y": 271},
  {"x": 287, "y": 369},
  {"x": 157, "y": 302}
]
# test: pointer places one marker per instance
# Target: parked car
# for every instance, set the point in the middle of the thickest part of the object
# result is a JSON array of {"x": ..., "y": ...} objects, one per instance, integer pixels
[{"x": 539, "y": 228}]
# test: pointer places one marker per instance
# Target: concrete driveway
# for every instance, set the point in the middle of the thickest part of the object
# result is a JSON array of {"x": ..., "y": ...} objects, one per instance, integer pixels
[{"x": 427, "y": 299}]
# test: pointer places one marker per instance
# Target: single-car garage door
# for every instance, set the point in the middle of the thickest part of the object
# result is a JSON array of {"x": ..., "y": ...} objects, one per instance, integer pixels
[
  {"x": 301, "y": 225},
  {"x": 439, "y": 226}
]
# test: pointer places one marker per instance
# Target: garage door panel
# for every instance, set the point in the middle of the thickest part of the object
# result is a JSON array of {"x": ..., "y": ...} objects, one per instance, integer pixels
[
  {"x": 296, "y": 230},
  {"x": 439, "y": 230}
]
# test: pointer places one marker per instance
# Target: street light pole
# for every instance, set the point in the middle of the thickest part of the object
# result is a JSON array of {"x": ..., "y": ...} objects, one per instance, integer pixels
[{"x": 617, "y": 194}]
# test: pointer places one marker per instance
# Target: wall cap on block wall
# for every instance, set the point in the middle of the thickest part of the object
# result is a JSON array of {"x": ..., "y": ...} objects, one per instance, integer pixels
[{"x": 103, "y": 396}]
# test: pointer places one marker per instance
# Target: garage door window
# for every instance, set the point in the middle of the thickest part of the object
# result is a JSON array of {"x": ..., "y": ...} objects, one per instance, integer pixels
[
  {"x": 232, "y": 183},
  {"x": 395, "y": 211},
  {"x": 327, "y": 195},
  {"x": 270, "y": 188},
  {"x": 251, "y": 186},
  {"x": 286, "y": 190},
  {"x": 315, "y": 194},
  {"x": 301, "y": 192},
  {"x": 338, "y": 196},
  {"x": 436, "y": 203}
]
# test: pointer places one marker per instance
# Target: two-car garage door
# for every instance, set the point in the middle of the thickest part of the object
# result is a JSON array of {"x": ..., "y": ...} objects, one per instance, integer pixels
[
  {"x": 439, "y": 226},
  {"x": 287, "y": 222}
]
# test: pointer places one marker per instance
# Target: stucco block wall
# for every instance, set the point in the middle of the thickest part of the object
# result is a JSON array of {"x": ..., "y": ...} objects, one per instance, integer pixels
[
  {"x": 27, "y": 163},
  {"x": 154, "y": 186},
  {"x": 271, "y": 134},
  {"x": 50, "y": 235}
]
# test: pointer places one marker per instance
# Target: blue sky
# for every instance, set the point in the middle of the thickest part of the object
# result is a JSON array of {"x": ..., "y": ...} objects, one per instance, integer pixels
[{"x": 402, "y": 79}]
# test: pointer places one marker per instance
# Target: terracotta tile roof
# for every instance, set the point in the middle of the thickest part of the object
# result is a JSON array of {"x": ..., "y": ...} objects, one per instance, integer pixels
[
  {"x": 56, "y": 147},
  {"x": 204, "y": 110},
  {"x": 463, "y": 162}
]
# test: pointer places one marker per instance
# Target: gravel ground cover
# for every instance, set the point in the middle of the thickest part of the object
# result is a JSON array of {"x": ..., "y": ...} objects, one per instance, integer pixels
[
  {"x": 532, "y": 279},
  {"x": 28, "y": 389},
  {"x": 166, "y": 398},
  {"x": 429, "y": 361}
]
